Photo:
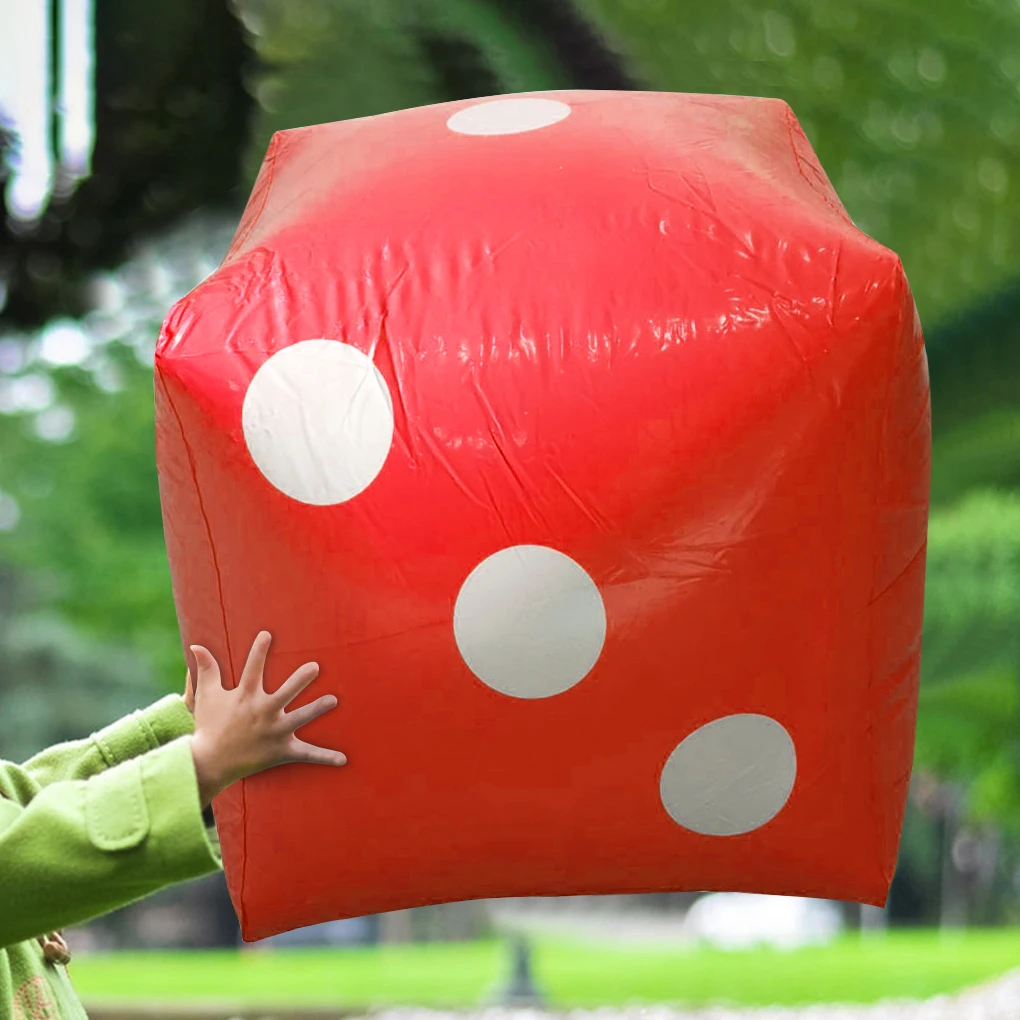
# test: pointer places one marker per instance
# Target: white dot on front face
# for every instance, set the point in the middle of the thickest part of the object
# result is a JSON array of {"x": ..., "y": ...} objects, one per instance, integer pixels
[
  {"x": 318, "y": 421},
  {"x": 730, "y": 776},
  {"x": 529, "y": 622}
]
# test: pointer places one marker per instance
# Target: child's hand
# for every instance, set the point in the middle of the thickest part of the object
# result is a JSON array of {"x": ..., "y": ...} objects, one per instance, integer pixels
[{"x": 245, "y": 730}]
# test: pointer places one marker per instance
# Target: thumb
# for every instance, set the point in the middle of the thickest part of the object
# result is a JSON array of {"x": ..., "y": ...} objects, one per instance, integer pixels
[{"x": 208, "y": 672}]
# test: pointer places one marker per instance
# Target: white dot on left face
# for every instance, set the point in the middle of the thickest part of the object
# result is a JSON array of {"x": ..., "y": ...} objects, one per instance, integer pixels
[
  {"x": 730, "y": 776},
  {"x": 508, "y": 116},
  {"x": 318, "y": 421},
  {"x": 529, "y": 622}
]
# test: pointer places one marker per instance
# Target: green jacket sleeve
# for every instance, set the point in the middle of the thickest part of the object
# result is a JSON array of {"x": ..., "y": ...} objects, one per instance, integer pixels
[
  {"x": 135, "y": 734},
  {"x": 83, "y": 847}
]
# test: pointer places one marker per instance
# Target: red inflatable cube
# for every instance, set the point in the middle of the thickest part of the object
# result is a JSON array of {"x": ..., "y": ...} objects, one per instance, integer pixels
[{"x": 584, "y": 442}]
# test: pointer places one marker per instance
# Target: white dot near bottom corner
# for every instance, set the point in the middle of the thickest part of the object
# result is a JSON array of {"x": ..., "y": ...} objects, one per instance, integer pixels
[
  {"x": 508, "y": 116},
  {"x": 529, "y": 622},
  {"x": 318, "y": 421},
  {"x": 730, "y": 776}
]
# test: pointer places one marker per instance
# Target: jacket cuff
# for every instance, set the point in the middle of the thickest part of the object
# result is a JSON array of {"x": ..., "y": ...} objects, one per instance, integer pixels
[
  {"x": 169, "y": 718},
  {"x": 177, "y": 826},
  {"x": 144, "y": 730}
]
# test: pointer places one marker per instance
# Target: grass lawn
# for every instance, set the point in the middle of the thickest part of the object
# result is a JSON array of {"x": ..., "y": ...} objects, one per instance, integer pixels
[{"x": 899, "y": 965}]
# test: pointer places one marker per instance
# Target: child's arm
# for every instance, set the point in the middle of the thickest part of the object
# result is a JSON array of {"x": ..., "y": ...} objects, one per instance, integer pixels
[
  {"x": 81, "y": 848},
  {"x": 141, "y": 731}
]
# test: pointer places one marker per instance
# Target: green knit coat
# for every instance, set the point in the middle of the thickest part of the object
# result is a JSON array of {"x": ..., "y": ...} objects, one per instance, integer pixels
[{"x": 86, "y": 827}]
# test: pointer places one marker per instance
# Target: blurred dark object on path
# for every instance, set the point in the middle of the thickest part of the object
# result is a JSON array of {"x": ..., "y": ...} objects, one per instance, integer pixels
[{"x": 520, "y": 990}]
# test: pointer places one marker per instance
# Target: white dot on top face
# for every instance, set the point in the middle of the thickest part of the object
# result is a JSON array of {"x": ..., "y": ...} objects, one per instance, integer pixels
[
  {"x": 529, "y": 622},
  {"x": 508, "y": 116},
  {"x": 318, "y": 421},
  {"x": 729, "y": 777}
]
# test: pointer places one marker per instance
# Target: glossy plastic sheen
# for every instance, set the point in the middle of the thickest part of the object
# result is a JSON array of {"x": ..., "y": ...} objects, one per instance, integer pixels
[{"x": 613, "y": 552}]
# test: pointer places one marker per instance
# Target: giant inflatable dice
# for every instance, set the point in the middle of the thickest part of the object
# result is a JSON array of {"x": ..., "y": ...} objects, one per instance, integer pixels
[{"x": 583, "y": 441}]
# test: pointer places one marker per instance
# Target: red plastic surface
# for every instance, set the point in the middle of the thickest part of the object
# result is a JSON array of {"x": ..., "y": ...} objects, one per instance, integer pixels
[{"x": 642, "y": 334}]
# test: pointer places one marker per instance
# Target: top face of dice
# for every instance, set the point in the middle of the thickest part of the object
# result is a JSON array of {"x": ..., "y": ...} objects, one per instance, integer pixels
[{"x": 583, "y": 440}]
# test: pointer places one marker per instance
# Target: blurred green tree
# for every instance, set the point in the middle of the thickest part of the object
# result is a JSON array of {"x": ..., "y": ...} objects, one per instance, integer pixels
[
  {"x": 974, "y": 359},
  {"x": 90, "y": 531},
  {"x": 911, "y": 107},
  {"x": 59, "y": 685},
  {"x": 969, "y": 719}
]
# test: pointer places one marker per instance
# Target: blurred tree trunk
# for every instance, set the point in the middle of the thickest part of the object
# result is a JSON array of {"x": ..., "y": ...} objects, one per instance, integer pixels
[
  {"x": 851, "y": 915},
  {"x": 874, "y": 920},
  {"x": 953, "y": 908}
]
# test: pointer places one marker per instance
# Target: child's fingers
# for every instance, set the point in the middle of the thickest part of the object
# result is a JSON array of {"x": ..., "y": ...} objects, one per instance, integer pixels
[
  {"x": 251, "y": 676},
  {"x": 304, "y": 715},
  {"x": 295, "y": 684},
  {"x": 208, "y": 669},
  {"x": 302, "y": 751}
]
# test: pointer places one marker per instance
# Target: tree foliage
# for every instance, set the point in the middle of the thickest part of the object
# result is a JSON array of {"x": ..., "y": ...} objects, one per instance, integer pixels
[
  {"x": 970, "y": 701},
  {"x": 912, "y": 108}
]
